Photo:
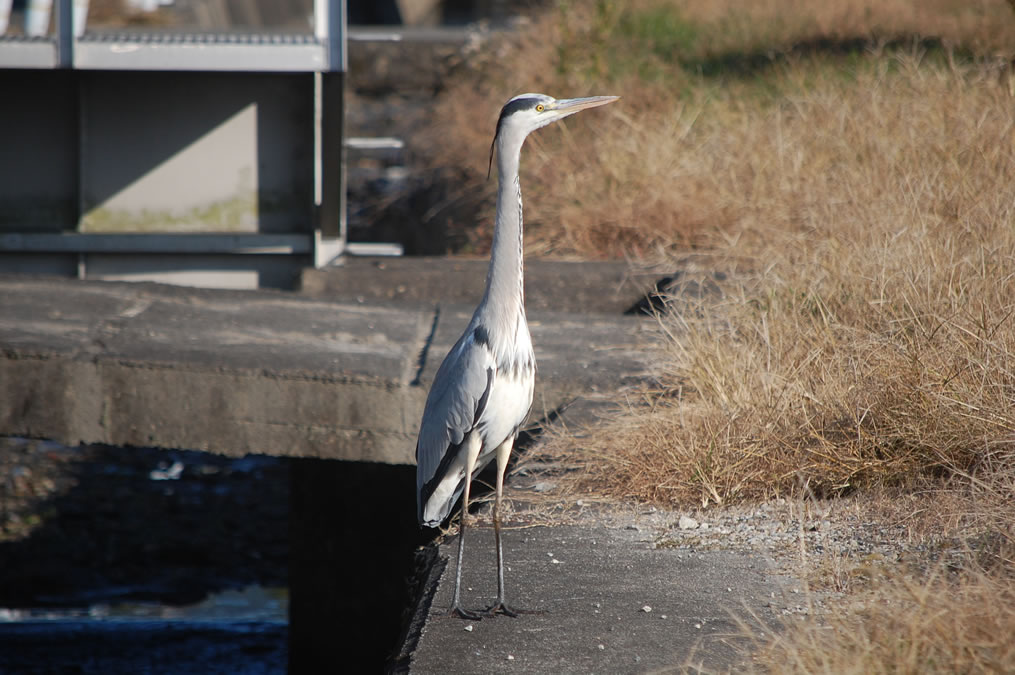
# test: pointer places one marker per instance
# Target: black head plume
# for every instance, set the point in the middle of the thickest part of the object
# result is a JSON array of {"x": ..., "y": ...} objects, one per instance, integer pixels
[
  {"x": 523, "y": 102},
  {"x": 489, "y": 167}
]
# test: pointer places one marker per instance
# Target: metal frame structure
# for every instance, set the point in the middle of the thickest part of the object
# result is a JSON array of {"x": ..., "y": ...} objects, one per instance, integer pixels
[
  {"x": 322, "y": 51},
  {"x": 284, "y": 62}
]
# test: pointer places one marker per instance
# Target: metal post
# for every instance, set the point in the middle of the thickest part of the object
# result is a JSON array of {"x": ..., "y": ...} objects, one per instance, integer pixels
[
  {"x": 329, "y": 134},
  {"x": 329, "y": 29},
  {"x": 64, "y": 34},
  {"x": 330, "y": 225}
]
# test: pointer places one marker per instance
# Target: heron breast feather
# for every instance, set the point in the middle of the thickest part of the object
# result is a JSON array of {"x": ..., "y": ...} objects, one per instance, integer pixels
[{"x": 507, "y": 405}]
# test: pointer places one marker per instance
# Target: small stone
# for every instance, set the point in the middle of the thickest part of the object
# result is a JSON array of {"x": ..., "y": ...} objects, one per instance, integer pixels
[
  {"x": 469, "y": 628},
  {"x": 646, "y": 609},
  {"x": 165, "y": 472},
  {"x": 602, "y": 646},
  {"x": 510, "y": 658},
  {"x": 687, "y": 523}
]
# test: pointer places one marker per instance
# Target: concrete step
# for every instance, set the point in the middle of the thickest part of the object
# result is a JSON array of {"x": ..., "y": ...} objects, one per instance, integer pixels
[
  {"x": 577, "y": 287},
  {"x": 236, "y": 372}
]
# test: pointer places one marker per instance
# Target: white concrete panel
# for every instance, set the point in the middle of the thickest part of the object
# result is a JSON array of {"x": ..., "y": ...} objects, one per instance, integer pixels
[{"x": 212, "y": 271}]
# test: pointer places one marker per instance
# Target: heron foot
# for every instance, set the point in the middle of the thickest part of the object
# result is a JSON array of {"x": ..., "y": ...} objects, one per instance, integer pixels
[
  {"x": 466, "y": 614},
  {"x": 500, "y": 608}
]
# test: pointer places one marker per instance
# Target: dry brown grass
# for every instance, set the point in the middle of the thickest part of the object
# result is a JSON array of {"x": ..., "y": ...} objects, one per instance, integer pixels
[
  {"x": 939, "y": 625},
  {"x": 862, "y": 207},
  {"x": 682, "y": 67},
  {"x": 868, "y": 334},
  {"x": 949, "y": 609}
]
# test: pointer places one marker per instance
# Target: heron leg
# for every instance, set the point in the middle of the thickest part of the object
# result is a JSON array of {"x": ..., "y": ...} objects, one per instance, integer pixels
[
  {"x": 503, "y": 454},
  {"x": 470, "y": 465}
]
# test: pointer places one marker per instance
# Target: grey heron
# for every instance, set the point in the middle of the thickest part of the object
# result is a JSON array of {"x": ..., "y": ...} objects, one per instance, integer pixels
[{"x": 482, "y": 392}]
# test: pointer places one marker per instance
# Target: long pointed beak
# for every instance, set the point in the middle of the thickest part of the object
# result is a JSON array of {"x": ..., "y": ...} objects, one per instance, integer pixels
[{"x": 569, "y": 106}]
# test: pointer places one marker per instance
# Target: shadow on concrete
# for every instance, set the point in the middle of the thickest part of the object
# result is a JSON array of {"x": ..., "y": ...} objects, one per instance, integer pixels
[
  {"x": 353, "y": 532},
  {"x": 38, "y": 166},
  {"x": 131, "y": 110}
]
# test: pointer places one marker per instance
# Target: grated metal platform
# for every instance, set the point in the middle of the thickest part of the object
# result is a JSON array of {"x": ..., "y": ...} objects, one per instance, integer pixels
[{"x": 250, "y": 52}]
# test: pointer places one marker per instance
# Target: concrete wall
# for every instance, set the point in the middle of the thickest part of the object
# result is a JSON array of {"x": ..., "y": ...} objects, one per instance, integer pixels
[{"x": 196, "y": 152}]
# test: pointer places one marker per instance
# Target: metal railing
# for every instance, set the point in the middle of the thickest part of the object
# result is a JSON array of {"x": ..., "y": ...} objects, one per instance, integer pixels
[{"x": 72, "y": 45}]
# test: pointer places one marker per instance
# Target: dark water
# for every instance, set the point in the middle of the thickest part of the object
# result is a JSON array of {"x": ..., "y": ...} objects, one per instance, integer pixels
[
  {"x": 143, "y": 647},
  {"x": 151, "y": 561},
  {"x": 243, "y": 631}
]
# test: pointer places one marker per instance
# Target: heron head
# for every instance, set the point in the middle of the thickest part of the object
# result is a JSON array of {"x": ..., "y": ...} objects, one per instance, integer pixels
[{"x": 527, "y": 112}]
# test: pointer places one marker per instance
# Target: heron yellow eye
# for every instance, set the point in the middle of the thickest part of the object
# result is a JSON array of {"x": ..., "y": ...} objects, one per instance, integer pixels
[{"x": 540, "y": 107}]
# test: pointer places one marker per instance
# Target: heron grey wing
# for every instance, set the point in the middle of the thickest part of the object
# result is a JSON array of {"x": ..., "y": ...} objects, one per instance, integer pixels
[{"x": 456, "y": 400}]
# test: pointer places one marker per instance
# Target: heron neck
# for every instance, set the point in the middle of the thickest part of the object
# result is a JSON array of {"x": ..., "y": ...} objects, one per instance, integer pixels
[{"x": 505, "y": 281}]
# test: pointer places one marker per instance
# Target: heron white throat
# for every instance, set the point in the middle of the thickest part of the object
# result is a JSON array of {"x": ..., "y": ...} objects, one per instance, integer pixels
[{"x": 482, "y": 392}]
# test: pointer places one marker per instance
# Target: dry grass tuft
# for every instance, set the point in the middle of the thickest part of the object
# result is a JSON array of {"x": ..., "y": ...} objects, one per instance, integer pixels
[
  {"x": 936, "y": 626},
  {"x": 868, "y": 334}
]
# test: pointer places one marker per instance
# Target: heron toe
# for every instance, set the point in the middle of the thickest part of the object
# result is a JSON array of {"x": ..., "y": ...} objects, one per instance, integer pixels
[
  {"x": 500, "y": 608},
  {"x": 462, "y": 613}
]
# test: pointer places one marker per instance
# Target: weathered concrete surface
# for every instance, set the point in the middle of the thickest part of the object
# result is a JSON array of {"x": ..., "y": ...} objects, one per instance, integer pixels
[
  {"x": 238, "y": 372},
  {"x": 589, "y": 585},
  {"x": 550, "y": 285}
]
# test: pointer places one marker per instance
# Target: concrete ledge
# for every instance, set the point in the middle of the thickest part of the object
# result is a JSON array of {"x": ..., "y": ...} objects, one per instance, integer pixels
[
  {"x": 607, "y": 287},
  {"x": 237, "y": 372}
]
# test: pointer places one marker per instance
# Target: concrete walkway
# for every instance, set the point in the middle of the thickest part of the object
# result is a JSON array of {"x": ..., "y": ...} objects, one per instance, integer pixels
[{"x": 605, "y": 600}]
